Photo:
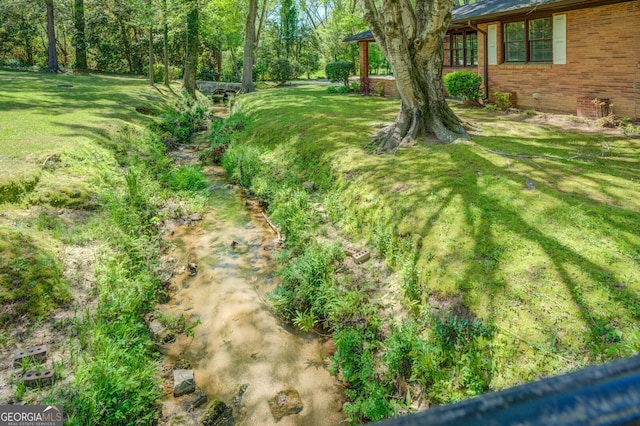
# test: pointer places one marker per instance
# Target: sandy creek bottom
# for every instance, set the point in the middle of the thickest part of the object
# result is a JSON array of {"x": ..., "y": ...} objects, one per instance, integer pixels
[{"x": 239, "y": 340}]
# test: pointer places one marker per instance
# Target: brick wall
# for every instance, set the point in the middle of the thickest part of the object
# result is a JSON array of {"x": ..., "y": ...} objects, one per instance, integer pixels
[{"x": 603, "y": 47}]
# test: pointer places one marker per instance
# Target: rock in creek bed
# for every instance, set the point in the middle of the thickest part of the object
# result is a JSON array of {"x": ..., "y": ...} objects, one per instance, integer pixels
[{"x": 285, "y": 403}]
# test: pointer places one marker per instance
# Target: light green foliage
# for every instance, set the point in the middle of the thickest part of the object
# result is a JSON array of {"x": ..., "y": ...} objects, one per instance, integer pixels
[
  {"x": 187, "y": 178},
  {"x": 502, "y": 100},
  {"x": 242, "y": 162},
  {"x": 463, "y": 85}
]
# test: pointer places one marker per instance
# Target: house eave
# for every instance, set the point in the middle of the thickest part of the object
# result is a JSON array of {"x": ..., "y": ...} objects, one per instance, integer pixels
[{"x": 556, "y": 6}]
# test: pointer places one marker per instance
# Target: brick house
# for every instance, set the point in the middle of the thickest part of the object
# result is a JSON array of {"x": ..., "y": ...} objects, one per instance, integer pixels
[{"x": 552, "y": 55}]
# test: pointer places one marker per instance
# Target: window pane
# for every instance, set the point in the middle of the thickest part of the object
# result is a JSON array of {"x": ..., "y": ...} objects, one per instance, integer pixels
[
  {"x": 472, "y": 49},
  {"x": 541, "y": 51},
  {"x": 514, "y": 31},
  {"x": 457, "y": 41},
  {"x": 457, "y": 60},
  {"x": 515, "y": 51},
  {"x": 541, "y": 29}
]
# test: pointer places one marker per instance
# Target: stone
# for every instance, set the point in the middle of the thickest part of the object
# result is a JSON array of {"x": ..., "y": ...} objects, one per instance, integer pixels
[
  {"x": 285, "y": 403},
  {"x": 160, "y": 333},
  {"x": 217, "y": 414},
  {"x": 530, "y": 184},
  {"x": 194, "y": 400},
  {"x": 183, "y": 382},
  {"x": 309, "y": 186},
  {"x": 193, "y": 269}
]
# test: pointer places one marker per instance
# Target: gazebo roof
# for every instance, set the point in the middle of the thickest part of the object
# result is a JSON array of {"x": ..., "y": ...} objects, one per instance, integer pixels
[{"x": 363, "y": 36}]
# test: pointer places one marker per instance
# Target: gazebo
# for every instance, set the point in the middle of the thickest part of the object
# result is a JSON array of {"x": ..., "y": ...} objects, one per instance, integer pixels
[{"x": 385, "y": 85}]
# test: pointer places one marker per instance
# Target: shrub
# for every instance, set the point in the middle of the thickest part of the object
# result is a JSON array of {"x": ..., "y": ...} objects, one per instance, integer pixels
[
  {"x": 343, "y": 90},
  {"x": 175, "y": 73},
  {"x": 354, "y": 86},
  {"x": 339, "y": 71},
  {"x": 380, "y": 88},
  {"x": 503, "y": 100},
  {"x": 331, "y": 90},
  {"x": 281, "y": 71},
  {"x": 464, "y": 85}
]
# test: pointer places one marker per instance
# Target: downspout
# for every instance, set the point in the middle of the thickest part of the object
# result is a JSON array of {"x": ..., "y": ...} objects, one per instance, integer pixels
[{"x": 485, "y": 76}]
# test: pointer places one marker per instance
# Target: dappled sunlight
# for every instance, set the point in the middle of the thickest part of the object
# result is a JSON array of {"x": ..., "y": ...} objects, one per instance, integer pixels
[{"x": 533, "y": 226}]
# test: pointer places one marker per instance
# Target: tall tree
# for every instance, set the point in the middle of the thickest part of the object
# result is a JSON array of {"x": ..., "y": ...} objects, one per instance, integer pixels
[
  {"x": 165, "y": 42},
  {"x": 78, "y": 38},
  {"x": 411, "y": 38},
  {"x": 249, "y": 47},
  {"x": 52, "y": 63},
  {"x": 191, "y": 58},
  {"x": 151, "y": 56}
]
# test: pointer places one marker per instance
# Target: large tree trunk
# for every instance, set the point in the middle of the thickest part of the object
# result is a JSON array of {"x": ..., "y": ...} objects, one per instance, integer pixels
[
  {"x": 78, "y": 38},
  {"x": 249, "y": 44},
  {"x": 52, "y": 64},
  {"x": 151, "y": 60},
  {"x": 191, "y": 61},
  {"x": 411, "y": 40},
  {"x": 165, "y": 42}
]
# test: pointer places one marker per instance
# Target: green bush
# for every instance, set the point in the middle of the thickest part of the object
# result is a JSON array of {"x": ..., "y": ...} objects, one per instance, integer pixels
[
  {"x": 339, "y": 71},
  {"x": 502, "y": 100},
  {"x": 343, "y": 90},
  {"x": 355, "y": 86},
  {"x": 281, "y": 71},
  {"x": 464, "y": 85},
  {"x": 332, "y": 90}
]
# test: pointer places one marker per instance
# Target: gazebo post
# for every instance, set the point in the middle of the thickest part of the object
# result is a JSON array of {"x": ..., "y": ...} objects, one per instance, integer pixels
[{"x": 363, "y": 47}]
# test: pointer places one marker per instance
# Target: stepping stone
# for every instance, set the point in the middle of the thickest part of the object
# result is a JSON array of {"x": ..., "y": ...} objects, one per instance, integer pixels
[
  {"x": 362, "y": 256},
  {"x": 183, "y": 382},
  {"x": 34, "y": 378},
  {"x": 37, "y": 353},
  {"x": 285, "y": 403}
]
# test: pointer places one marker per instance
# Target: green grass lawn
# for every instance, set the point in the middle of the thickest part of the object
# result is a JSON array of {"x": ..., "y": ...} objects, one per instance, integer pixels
[
  {"x": 556, "y": 269},
  {"x": 40, "y": 117}
]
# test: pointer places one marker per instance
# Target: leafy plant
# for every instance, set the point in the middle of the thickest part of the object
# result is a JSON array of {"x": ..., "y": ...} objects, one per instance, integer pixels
[
  {"x": 331, "y": 90},
  {"x": 343, "y": 90},
  {"x": 502, "y": 100},
  {"x": 464, "y": 85},
  {"x": 339, "y": 71},
  {"x": 354, "y": 86}
]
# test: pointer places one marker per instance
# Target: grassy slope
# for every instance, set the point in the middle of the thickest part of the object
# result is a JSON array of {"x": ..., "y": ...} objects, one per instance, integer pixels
[
  {"x": 38, "y": 118},
  {"x": 556, "y": 269},
  {"x": 112, "y": 362}
]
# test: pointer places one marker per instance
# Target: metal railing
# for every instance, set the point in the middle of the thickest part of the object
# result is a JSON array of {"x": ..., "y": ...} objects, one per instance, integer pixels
[{"x": 607, "y": 394}]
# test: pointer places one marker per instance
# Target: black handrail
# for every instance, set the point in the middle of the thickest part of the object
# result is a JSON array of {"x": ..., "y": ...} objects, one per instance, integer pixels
[{"x": 607, "y": 394}]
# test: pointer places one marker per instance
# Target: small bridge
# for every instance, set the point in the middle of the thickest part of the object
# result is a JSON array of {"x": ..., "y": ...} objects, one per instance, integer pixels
[{"x": 218, "y": 90}]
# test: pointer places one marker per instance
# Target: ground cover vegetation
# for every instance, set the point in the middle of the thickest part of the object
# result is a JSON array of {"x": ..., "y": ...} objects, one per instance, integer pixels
[
  {"x": 65, "y": 280},
  {"x": 498, "y": 260}
]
